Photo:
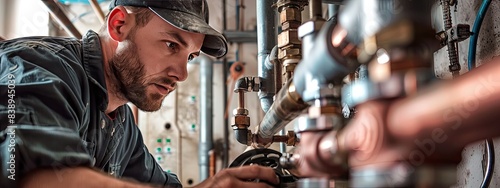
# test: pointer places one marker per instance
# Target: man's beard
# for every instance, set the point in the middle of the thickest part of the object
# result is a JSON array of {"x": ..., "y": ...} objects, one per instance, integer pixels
[{"x": 130, "y": 83}]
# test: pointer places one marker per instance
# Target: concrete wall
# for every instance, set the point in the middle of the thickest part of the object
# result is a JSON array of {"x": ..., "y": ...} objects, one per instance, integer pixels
[{"x": 470, "y": 170}]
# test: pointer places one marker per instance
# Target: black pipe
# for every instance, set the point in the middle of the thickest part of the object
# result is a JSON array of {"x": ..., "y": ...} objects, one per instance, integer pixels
[
  {"x": 241, "y": 135},
  {"x": 225, "y": 143}
]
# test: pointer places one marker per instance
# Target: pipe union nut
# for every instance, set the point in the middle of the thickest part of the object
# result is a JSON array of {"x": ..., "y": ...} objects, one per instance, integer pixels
[
  {"x": 290, "y": 14},
  {"x": 240, "y": 111},
  {"x": 242, "y": 120}
]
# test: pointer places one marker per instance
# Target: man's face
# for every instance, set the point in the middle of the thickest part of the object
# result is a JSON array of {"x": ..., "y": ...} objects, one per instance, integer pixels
[{"x": 150, "y": 62}]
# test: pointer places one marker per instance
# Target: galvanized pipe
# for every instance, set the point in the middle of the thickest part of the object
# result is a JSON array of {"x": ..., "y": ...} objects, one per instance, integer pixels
[
  {"x": 63, "y": 20},
  {"x": 332, "y": 10},
  {"x": 206, "y": 111},
  {"x": 288, "y": 106},
  {"x": 225, "y": 143},
  {"x": 266, "y": 40}
]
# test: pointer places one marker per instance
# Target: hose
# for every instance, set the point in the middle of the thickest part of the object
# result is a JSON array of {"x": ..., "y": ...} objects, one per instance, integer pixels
[
  {"x": 475, "y": 33},
  {"x": 490, "y": 150}
]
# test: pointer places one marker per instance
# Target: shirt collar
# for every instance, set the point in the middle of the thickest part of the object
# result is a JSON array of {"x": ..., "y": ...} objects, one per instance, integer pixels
[{"x": 93, "y": 65}]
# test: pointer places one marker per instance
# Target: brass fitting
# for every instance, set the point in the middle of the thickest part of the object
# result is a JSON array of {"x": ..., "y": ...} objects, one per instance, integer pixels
[
  {"x": 316, "y": 111},
  {"x": 290, "y": 18},
  {"x": 288, "y": 37}
]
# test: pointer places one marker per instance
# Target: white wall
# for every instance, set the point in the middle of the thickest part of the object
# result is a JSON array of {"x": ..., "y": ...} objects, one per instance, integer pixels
[
  {"x": 2, "y": 18},
  {"x": 24, "y": 18}
]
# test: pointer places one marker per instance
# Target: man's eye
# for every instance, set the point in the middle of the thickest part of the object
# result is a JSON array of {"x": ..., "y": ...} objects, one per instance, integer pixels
[
  {"x": 171, "y": 45},
  {"x": 191, "y": 57}
]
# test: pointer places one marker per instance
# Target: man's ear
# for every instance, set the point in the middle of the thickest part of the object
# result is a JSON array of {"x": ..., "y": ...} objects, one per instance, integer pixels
[{"x": 120, "y": 22}]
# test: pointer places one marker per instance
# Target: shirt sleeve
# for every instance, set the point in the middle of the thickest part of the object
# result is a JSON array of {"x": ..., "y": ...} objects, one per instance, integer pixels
[
  {"x": 143, "y": 167},
  {"x": 42, "y": 108}
]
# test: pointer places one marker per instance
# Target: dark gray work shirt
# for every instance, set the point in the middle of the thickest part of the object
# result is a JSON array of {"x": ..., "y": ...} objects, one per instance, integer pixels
[{"x": 52, "y": 101}]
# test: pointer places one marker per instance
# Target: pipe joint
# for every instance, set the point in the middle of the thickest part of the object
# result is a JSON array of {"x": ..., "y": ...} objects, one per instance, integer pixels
[{"x": 247, "y": 84}]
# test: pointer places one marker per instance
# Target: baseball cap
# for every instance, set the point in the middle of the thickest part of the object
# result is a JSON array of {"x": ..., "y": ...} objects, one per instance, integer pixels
[{"x": 187, "y": 15}]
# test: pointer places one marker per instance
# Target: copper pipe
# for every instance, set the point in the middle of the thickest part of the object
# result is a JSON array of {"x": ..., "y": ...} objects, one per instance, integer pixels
[
  {"x": 213, "y": 162},
  {"x": 280, "y": 138},
  {"x": 56, "y": 11},
  {"x": 448, "y": 115},
  {"x": 97, "y": 10},
  {"x": 241, "y": 100}
]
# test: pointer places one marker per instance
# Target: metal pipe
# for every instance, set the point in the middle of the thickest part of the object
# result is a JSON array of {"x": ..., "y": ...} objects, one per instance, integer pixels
[
  {"x": 97, "y": 10},
  {"x": 315, "y": 8},
  {"x": 206, "y": 111},
  {"x": 266, "y": 40},
  {"x": 332, "y": 10},
  {"x": 241, "y": 99},
  {"x": 288, "y": 106},
  {"x": 225, "y": 143},
  {"x": 282, "y": 143},
  {"x": 213, "y": 161},
  {"x": 324, "y": 65},
  {"x": 63, "y": 20}
]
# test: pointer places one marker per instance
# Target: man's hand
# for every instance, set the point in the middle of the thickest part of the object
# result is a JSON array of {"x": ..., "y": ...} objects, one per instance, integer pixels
[
  {"x": 247, "y": 176},
  {"x": 74, "y": 177}
]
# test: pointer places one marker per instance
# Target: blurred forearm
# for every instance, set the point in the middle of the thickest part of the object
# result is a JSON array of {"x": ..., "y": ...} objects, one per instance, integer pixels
[
  {"x": 72, "y": 177},
  {"x": 465, "y": 108}
]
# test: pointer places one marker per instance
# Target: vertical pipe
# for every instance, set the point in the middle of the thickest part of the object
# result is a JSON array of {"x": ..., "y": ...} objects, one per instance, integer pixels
[
  {"x": 315, "y": 9},
  {"x": 266, "y": 40},
  {"x": 283, "y": 144},
  {"x": 332, "y": 10},
  {"x": 213, "y": 161},
  {"x": 225, "y": 143},
  {"x": 206, "y": 108}
]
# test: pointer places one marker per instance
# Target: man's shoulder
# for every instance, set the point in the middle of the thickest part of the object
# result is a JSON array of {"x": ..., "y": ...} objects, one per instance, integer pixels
[
  {"x": 41, "y": 42},
  {"x": 41, "y": 50}
]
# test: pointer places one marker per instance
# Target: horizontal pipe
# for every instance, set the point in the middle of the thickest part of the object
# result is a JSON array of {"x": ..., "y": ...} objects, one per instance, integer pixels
[
  {"x": 241, "y": 36},
  {"x": 63, "y": 20}
]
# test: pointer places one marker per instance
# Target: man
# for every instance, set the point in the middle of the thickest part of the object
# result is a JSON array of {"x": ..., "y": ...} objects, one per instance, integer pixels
[{"x": 63, "y": 116}]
